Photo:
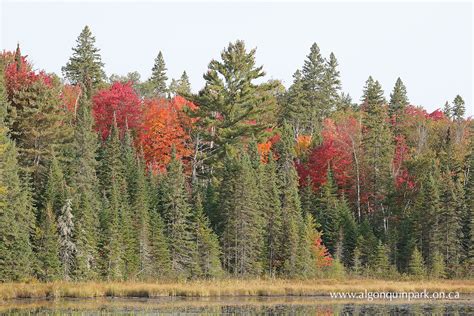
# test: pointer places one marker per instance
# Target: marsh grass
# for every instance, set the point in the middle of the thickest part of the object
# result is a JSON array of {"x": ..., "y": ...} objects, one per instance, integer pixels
[{"x": 215, "y": 288}]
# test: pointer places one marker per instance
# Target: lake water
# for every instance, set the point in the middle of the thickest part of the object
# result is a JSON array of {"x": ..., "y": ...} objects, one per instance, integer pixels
[{"x": 234, "y": 306}]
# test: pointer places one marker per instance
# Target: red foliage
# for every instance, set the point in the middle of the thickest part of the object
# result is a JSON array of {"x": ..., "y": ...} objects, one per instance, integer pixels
[
  {"x": 165, "y": 125},
  {"x": 20, "y": 75},
  {"x": 400, "y": 173},
  {"x": 120, "y": 100},
  {"x": 321, "y": 253},
  {"x": 334, "y": 152},
  {"x": 437, "y": 115}
]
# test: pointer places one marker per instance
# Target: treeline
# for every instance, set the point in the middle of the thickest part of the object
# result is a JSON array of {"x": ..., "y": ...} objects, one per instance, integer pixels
[{"x": 123, "y": 179}]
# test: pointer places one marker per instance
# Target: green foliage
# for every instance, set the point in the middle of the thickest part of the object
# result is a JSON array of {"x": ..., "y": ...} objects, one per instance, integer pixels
[
  {"x": 328, "y": 214},
  {"x": 84, "y": 193},
  {"x": 157, "y": 81},
  {"x": 242, "y": 237},
  {"x": 438, "y": 268},
  {"x": 47, "y": 248},
  {"x": 207, "y": 244},
  {"x": 229, "y": 101},
  {"x": 85, "y": 66},
  {"x": 398, "y": 99},
  {"x": 181, "y": 86},
  {"x": 290, "y": 201},
  {"x": 177, "y": 218},
  {"x": 274, "y": 239},
  {"x": 416, "y": 266}
]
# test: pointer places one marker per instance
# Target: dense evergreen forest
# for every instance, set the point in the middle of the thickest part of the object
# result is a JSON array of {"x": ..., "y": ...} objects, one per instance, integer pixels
[{"x": 115, "y": 178}]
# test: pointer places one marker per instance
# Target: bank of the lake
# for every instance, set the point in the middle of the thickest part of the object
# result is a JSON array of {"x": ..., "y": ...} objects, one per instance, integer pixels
[{"x": 232, "y": 287}]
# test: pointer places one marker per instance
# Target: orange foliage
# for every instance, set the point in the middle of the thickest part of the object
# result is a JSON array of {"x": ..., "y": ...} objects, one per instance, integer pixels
[
  {"x": 70, "y": 96},
  {"x": 321, "y": 253},
  {"x": 303, "y": 144},
  {"x": 165, "y": 125}
]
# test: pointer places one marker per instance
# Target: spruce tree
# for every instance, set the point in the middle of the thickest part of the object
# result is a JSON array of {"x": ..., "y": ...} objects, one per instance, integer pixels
[
  {"x": 207, "y": 244},
  {"x": 290, "y": 201},
  {"x": 438, "y": 268},
  {"x": 184, "y": 87},
  {"x": 305, "y": 263},
  {"x": 159, "y": 247},
  {"x": 130, "y": 214},
  {"x": 377, "y": 143},
  {"x": 16, "y": 217},
  {"x": 416, "y": 266},
  {"x": 56, "y": 187},
  {"x": 67, "y": 247},
  {"x": 274, "y": 239},
  {"x": 450, "y": 224},
  {"x": 398, "y": 100},
  {"x": 85, "y": 66},
  {"x": 380, "y": 263},
  {"x": 331, "y": 85},
  {"x": 177, "y": 218},
  {"x": 328, "y": 213},
  {"x": 292, "y": 108},
  {"x": 459, "y": 108},
  {"x": 84, "y": 193},
  {"x": 313, "y": 72},
  {"x": 47, "y": 248},
  {"x": 348, "y": 227},
  {"x": 158, "y": 77},
  {"x": 115, "y": 209},
  {"x": 447, "y": 110},
  {"x": 242, "y": 237}
]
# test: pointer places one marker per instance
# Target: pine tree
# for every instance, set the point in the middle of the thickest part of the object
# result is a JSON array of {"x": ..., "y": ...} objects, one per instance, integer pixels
[
  {"x": 16, "y": 216},
  {"x": 177, "y": 217},
  {"x": 207, "y": 244},
  {"x": 84, "y": 193},
  {"x": 416, "y": 266},
  {"x": 398, "y": 100},
  {"x": 85, "y": 66},
  {"x": 67, "y": 247},
  {"x": 48, "y": 246},
  {"x": 158, "y": 77},
  {"x": 229, "y": 101},
  {"x": 40, "y": 129},
  {"x": 242, "y": 237}
]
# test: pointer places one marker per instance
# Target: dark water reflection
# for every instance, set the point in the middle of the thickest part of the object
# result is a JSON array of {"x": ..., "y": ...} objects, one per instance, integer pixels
[{"x": 234, "y": 306}]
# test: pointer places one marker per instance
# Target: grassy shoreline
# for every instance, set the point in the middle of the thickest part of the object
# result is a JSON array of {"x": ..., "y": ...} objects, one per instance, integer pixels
[{"x": 209, "y": 288}]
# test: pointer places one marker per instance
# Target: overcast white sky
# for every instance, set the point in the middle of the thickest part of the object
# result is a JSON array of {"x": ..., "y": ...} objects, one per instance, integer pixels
[{"x": 429, "y": 45}]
